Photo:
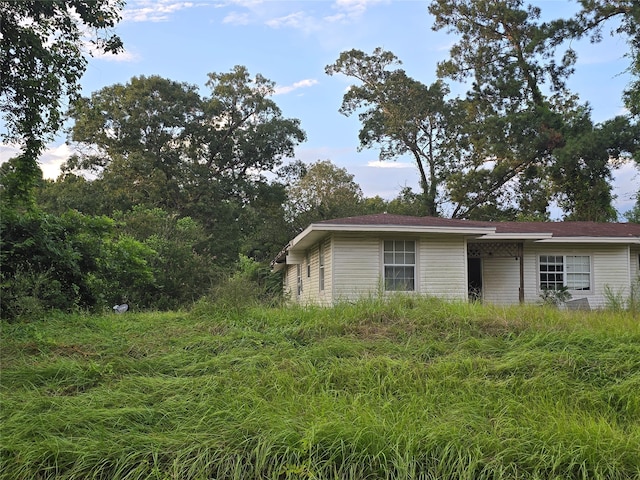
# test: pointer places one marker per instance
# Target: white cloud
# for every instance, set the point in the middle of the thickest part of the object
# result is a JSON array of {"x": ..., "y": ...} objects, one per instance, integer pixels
[
  {"x": 308, "y": 82},
  {"x": 389, "y": 164},
  {"x": 281, "y": 14},
  {"x": 124, "y": 56},
  {"x": 153, "y": 11},
  {"x": 297, "y": 20},
  {"x": 235, "y": 18},
  {"x": 351, "y": 9},
  {"x": 50, "y": 161}
]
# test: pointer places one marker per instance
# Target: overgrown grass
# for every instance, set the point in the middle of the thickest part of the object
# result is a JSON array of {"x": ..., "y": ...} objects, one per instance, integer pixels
[{"x": 406, "y": 388}]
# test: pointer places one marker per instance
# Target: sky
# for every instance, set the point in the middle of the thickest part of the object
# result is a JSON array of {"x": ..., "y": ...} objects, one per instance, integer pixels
[{"x": 291, "y": 42}]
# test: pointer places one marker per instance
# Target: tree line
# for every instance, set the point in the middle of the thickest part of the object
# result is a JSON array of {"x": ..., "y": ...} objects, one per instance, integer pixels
[{"x": 168, "y": 189}]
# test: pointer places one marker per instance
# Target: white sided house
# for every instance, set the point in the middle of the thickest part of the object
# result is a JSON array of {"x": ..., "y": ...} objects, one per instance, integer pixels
[{"x": 498, "y": 262}]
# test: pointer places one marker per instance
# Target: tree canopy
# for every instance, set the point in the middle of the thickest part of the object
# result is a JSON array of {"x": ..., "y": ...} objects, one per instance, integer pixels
[
  {"x": 42, "y": 58},
  {"x": 403, "y": 116}
]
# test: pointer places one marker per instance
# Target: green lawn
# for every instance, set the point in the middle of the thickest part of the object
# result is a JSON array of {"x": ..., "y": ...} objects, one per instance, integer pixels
[{"x": 410, "y": 388}]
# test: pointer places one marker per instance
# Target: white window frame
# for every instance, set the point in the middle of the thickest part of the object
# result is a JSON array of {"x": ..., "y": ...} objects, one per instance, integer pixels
[
  {"x": 299, "y": 279},
  {"x": 569, "y": 269},
  {"x": 399, "y": 257}
]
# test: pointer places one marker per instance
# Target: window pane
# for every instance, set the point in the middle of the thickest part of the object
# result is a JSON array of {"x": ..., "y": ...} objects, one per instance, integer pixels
[
  {"x": 551, "y": 272},
  {"x": 578, "y": 272},
  {"x": 399, "y": 278},
  {"x": 399, "y": 265}
]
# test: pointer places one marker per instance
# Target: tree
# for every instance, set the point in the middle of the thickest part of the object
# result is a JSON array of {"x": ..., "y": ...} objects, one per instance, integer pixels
[
  {"x": 158, "y": 143},
  {"x": 324, "y": 191},
  {"x": 624, "y": 15},
  {"x": 521, "y": 115},
  {"x": 183, "y": 265},
  {"x": 42, "y": 59},
  {"x": 403, "y": 116},
  {"x": 66, "y": 262}
]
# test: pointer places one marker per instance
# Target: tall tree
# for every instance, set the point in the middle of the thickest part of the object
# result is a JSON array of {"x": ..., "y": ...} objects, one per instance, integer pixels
[
  {"x": 324, "y": 191},
  {"x": 519, "y": 106},
  {"x": 403, "y": 116},
  {"x": 42, "y": 58},
  {"x": 158, "y": 143},
  {"x": 623, "y": 16}
]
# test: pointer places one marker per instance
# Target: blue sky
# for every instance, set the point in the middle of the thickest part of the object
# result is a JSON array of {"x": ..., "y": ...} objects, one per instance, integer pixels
[{"x": 290, "y": 43}]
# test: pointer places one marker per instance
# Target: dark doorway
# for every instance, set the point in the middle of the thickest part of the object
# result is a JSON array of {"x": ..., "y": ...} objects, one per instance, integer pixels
[{"x": 474, "y": 274}]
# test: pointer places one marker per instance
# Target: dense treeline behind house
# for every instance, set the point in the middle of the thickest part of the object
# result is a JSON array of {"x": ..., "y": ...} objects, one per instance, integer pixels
[{"x": 167, "y": 199}]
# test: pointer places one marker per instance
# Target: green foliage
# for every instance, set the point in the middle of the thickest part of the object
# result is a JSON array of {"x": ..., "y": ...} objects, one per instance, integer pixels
[
  {"x": 323, "y": 192},
  {"x": 42, "y": 58},
  {"x": 618, "y": 301},
  {"x": 65, "y": 262},
  {"x": 555, "y": 296},
  {"x": 183, "y": 264},
  {"x": 190, "y": 156},
  {"x": 404, "y": 388},
  {"x": 251, "y": 285},
  {"x": 541, "y": 141},
  {"x": 403, "y": 116}
]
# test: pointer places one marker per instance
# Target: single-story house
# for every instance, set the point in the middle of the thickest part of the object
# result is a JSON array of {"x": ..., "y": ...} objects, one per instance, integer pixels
[{"x": 497, "y": 262}]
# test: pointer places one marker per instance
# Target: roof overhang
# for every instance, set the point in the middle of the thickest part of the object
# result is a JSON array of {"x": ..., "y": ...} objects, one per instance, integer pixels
[
  {"x": 317, "y": 231},
  {"x": 293, "y": 252},
  {"x": 500, "y": 237},
  {"x": 616, "y": 240}
]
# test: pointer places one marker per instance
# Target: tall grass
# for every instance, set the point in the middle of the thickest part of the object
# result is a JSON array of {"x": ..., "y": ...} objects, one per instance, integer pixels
[{"x": 403, "y": 388}]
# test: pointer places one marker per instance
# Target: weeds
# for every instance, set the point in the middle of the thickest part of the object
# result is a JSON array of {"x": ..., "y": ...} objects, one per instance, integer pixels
[{"x": 395, "y": 389}]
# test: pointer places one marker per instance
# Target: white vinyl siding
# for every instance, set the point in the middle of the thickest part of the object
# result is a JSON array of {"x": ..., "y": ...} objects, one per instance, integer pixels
[
  {"x": 442, "y": 266},
  {"x": 289, "y": 281},
  {"x": 321, "y": 264},
  {"x": 634, "y": 261},
  {"x": 326, "y": 295},
  {"x": 501, "y": 280},
  {"x": 356, "y": 267}
]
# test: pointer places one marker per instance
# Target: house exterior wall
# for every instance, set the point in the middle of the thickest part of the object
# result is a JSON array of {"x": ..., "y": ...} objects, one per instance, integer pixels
[
  {"x": 442, "y": 266},
  {"x": 310, "y": 270},
  {"x": 326, "y": 296},
  {"x": 354, "y": 268},
  {"x": 609, "y": 268},
  {"x": 501, "y": 280},
  {"x": 634, "y": 254},
  {"x": 289, "y": 282}
]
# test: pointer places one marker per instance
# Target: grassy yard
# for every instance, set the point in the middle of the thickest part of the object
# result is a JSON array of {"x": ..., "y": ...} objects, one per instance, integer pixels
[{"x": 410, "y": 388}]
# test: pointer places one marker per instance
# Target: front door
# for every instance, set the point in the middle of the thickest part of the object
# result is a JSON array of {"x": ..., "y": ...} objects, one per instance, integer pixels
[{"x": 474, "y": 275}]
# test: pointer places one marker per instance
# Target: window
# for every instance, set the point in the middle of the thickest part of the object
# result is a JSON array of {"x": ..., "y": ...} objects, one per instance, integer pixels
[
  {"x": 321, "y": 268},
  {"x": 399, "y": 265},
  {"x": 308, "y": 266},
  {"x": 571, "y": 271}
]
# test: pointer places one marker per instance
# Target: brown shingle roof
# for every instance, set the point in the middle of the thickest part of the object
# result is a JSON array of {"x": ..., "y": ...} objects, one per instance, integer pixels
[{"x": 557, "y": 229}]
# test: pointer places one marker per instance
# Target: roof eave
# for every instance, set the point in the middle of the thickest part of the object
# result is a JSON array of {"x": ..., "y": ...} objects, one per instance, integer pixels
[
  {"x": 517, "y": 236},
  {"x": 616, "y": 240}
]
